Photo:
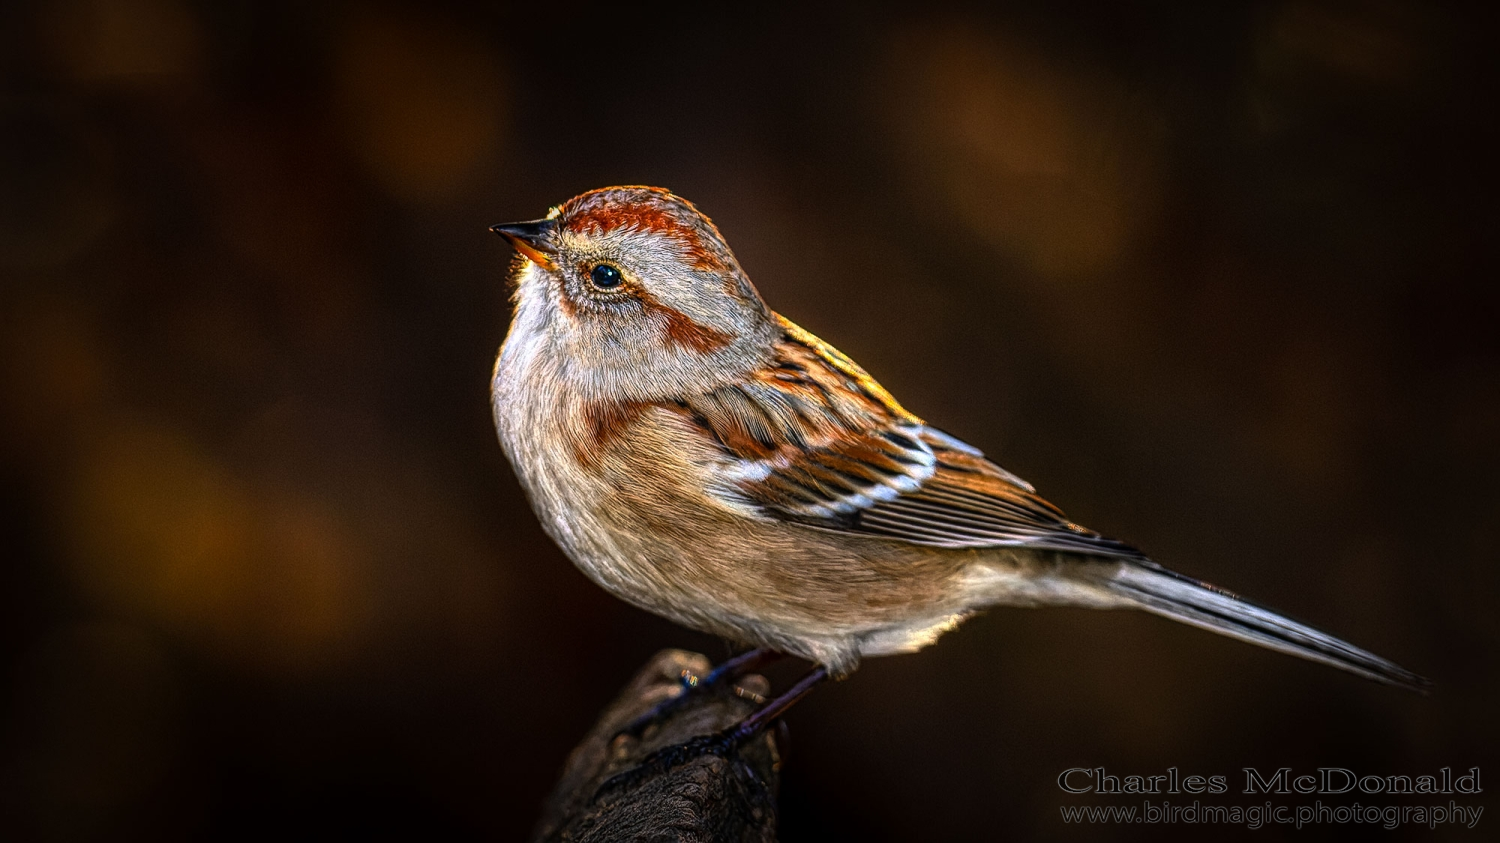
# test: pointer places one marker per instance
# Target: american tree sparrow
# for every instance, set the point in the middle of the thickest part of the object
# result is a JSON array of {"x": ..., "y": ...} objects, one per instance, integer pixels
[{"x": 704, "y": 458}]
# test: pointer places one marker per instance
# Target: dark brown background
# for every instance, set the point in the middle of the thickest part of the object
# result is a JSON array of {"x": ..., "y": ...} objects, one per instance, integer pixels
[{"x": 1217, "y": 277}]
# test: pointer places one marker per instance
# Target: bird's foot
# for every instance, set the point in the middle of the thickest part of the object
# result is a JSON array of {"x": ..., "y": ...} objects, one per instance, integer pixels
[
  {"x": 692, "y": 685},
  {"x": 722, "y": 744}
]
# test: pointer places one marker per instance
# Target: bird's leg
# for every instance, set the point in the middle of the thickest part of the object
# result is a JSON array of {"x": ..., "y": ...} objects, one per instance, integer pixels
[
  {"x": 771, "y": 711},
  {"x": 722, "y": 744},
  {"x": 692, "y": 685}
]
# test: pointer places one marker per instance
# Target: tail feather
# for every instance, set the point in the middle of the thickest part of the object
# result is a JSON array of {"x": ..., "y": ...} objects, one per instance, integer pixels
[{"x": 1181, "y": 598}]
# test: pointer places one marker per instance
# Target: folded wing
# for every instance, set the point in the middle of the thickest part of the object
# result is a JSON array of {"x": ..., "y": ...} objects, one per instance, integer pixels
[{"x": 815, "y": 439}]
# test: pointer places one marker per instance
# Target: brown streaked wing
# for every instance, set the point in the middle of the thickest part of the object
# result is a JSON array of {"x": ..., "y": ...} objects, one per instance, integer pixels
[
  {"x": 802, "y": 457},
  {"x": 813, "y": 436},
  {"x": 971, "y": 502},
  {"x": 816, "y": 440}
]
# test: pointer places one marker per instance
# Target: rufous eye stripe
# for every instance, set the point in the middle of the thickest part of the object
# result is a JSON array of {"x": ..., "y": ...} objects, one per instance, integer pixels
[{"x": 680, "y": 330}]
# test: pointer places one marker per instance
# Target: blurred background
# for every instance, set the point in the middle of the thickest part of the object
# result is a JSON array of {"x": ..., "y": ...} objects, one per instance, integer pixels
[{"x": 1218, "y": 278}]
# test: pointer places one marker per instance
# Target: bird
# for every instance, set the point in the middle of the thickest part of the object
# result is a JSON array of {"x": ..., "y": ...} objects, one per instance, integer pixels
[{"x": 706, "y": 459}]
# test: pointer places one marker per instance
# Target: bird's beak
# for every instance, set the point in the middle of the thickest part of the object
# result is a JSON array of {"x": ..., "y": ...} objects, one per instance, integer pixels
[{"x": 531, "y": 239}]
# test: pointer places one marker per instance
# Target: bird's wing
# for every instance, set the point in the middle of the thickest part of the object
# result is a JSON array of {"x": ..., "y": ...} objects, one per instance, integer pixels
[{"x": 814, "y": 439}]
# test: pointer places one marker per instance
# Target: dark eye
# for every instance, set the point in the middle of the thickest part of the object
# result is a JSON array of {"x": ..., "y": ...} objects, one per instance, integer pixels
[{"x": 605, "y": 277}]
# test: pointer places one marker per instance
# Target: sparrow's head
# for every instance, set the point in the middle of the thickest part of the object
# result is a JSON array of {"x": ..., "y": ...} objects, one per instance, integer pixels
[{"x": 638, "y": 290}]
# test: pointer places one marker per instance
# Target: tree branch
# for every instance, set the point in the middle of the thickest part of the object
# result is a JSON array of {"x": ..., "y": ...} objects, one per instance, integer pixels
[{"x": 706, "y": 798}]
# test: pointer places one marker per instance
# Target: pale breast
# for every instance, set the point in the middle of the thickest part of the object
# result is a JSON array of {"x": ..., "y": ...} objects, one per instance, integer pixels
[{"x": 622, "y": 487}]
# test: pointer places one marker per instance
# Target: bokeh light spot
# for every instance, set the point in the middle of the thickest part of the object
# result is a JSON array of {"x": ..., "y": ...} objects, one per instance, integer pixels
[{"x": 422, "y": 105}]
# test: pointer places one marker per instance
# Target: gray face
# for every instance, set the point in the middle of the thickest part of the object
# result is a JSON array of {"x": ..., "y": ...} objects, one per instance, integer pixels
[{"x": 643, "y": 298}]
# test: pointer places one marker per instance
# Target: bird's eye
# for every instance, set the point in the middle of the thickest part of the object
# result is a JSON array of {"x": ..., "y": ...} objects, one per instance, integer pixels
[{"x": 606, "y": 277}]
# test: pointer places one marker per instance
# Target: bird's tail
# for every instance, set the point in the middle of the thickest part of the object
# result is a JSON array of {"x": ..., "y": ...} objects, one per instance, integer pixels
[{"x": 1149, "y": 586}]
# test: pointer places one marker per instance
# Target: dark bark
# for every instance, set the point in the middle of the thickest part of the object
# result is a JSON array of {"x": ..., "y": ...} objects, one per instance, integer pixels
[{"x": 697, "y": 797}]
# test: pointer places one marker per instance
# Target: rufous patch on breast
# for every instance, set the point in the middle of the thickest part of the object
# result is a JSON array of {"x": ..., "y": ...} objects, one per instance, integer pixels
[{"x": 604, "y": 424}]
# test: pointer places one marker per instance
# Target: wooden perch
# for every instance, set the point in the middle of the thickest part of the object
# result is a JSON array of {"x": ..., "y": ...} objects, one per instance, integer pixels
[{"x": 705, "y": 798}]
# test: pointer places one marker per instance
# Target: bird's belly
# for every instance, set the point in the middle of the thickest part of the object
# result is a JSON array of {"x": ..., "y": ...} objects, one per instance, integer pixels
[{"x": 638, "y": 522}]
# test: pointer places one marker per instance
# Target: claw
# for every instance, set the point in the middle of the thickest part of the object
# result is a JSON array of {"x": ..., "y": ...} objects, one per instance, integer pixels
[
  {"x": 723, "y": 744},
  {"x": 692, "y": 685}
]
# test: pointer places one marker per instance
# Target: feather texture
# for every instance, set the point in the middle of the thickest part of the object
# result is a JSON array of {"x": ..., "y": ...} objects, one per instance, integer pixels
[
  {"x": 813, "y": 438},
  {"x": 707, "y": 460}
]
